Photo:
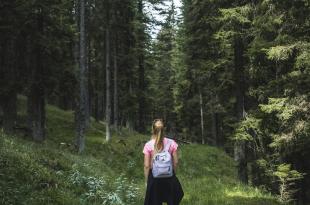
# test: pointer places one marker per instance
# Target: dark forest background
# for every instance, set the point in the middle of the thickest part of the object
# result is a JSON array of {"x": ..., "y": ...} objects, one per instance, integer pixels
[{"x": 232, "y": 74}]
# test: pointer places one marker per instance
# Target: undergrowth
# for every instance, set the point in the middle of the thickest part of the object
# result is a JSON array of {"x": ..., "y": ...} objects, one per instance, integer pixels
[{"x": 108, "y": 173}]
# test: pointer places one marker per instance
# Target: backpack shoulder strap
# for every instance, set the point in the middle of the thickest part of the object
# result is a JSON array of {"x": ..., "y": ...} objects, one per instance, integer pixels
[{"x": 166, "y": 148}]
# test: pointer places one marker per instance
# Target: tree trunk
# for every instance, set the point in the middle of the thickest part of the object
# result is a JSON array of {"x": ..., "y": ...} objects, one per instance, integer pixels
[
  {"x": 8, "y": 98},
  {"x": 96, "y": 107},
  {"x": 87, "y": 66},
  {"x": 36, "y": 100},
  {"x": 76, "y": 53},
  {"x": 201, "y": 119},
  {"x": 115, "y": 87},
  {"x": 108, "y": 79},
  {"x": 220, "y": 140},
  {"x": 240, "y": 145},
  {"x": 9, "y": 111},
  {"x": 37, "y": 109},
  {"x": 130, "y": 117},
  {"x": 81, "y": 109},
  {"x": 141, "y": 69},
  {"x": 214, "y": 128},
  {"x": 102, "y": 104},
  {"x": 96, "y": 101}
]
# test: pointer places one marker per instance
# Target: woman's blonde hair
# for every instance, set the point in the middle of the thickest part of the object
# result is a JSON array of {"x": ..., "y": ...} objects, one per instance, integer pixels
[{"x": 158, "y": 135}]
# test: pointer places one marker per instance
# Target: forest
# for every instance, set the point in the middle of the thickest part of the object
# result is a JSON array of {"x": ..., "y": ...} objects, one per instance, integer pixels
[{"x": 82, "y": 80}]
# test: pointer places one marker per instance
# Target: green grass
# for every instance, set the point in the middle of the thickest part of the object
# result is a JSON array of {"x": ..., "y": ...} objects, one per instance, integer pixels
[{"x": 53, "y": 173}]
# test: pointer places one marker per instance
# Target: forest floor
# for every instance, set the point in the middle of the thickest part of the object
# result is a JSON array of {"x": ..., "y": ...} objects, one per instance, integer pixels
[{"x": 108, "y": 173}]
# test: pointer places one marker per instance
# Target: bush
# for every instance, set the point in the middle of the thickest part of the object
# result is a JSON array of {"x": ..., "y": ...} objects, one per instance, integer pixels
[{"x": 99, "y": 190}]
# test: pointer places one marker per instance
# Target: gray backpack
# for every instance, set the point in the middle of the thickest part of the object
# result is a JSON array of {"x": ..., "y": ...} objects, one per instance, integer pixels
[{"x": 162, "y": 163}]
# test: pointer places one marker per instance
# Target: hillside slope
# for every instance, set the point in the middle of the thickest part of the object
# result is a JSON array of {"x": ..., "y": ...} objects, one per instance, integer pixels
[{"x": 52, "y": 173}]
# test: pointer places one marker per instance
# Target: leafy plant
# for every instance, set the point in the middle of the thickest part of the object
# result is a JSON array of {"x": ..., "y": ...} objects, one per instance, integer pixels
[
  {"x": 287, "y": 178},
  {"x": 98, "y": 190}
]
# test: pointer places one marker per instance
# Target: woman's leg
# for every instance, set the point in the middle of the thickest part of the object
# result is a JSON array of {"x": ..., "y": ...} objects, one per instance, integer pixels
[{"x": 152, "y": 195}]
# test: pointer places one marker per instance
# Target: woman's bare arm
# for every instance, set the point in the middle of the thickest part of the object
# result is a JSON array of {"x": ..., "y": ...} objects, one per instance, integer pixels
[
  {"x": 175, "y": 160},
  {"x": 147, "y": 166}
]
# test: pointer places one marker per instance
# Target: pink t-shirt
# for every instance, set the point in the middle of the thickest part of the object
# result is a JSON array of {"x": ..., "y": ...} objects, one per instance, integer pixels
[{"x": 149, "y": 146}]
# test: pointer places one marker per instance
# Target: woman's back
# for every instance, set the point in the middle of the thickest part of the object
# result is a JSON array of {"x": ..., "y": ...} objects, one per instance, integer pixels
[
  {"x": 162, "y": 189},
  {"x": 149, "y": 146},
  {"x": 165, "y": 186}
]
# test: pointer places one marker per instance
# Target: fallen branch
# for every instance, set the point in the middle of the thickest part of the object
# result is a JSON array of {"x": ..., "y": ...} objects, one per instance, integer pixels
[{"x": 179, "y": 140}]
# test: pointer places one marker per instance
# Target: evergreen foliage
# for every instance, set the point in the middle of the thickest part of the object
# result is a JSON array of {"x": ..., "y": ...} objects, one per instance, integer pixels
[{"x": 231, "y": 74}]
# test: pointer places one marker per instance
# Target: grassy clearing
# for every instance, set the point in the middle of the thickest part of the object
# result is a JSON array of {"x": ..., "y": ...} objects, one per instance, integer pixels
[{"x": 108, "y": 173}]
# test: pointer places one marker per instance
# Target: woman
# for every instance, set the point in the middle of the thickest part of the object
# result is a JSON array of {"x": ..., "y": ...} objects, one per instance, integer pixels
[{"x": 167, "y": 189}]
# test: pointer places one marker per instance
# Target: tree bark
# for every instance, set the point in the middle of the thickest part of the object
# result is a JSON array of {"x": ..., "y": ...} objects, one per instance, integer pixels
[
  {"x": 96, "y": 96},
  {"x": 36, "y": 97},
  {"x": 9, "y": 111},
  {"x": 129, "y": 117},
  {"x": 96, "y": 106},
  {"x": 81, "y": 109},
  {"x": 240, "y": 145},
  {"x": 115, "y": 87},
  {"x": 220, "y": 140},
  {"x": 141, "y": 96},
  {"x": 108, "y": 78},
  {"x": 214, "y": 128},
  {"x": 87, "y": 65},
  {"x": 37, "y": 109},
  {"x": 8, "y": 97},
  {"x": 201, "y": 118}
]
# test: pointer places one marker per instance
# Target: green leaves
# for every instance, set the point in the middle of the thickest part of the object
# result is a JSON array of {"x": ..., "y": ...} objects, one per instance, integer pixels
[
  {"x": 287, "y": 178},
  {"x": 98, "y": 189},
  {"x": 303, "y": 58},
  {"x": 285, "y": 173},
  {"x": 223, "y": 35},
  {"x": 284, "y": 110},
  {"x": 246, "y": 128},
  {"x": 236, "y": 15},
  {"x": 280, "y": 53}
]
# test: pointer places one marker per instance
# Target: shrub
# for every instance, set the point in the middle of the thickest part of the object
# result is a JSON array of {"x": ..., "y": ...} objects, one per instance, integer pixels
[{"x": 99, "y": 190}]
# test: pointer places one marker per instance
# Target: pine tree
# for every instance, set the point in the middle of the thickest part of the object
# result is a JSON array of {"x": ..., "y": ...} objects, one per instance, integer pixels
[{"x": 81, "y": 108}]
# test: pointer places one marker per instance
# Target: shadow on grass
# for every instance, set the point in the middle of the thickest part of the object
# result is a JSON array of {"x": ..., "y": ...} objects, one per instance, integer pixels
[
  {"x": 233, "y": 200},
  {"x": 251, "y": 200}
]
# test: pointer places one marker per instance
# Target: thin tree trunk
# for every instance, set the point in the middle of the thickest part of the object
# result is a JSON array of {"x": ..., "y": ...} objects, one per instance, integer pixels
[
  {"x": 81, "y": 120},
  {"x": 87, "y": 65},
  {"x": 108, "y": 79},
  {"x": 96, "y": 107},
  {"x": 129, "y": 120},
  {"x": 201, "y": 118},
  {"x": 141, "y": 69},
  {"x": 102, "y": 105},
  {"x": 37, "y": 107},
  {"x": 9, "y": 111},
  {"x": 115, "y": 87},
  {"x": 96, "y": 99},
  {"x": 240, "y": 145},
  {"x": 76, "y": 53},
  {"x": 9, "y": 98},
  {"x": 214, "y": 128},
  {"x": 220, "y": 141},
  {"x": 36, "y": 98}
]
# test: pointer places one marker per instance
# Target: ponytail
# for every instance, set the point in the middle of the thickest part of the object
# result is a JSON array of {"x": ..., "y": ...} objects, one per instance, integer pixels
[{"x": 158, "y": 135}]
